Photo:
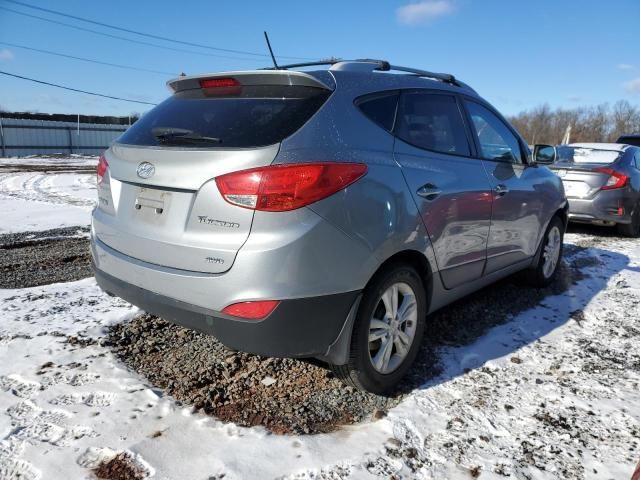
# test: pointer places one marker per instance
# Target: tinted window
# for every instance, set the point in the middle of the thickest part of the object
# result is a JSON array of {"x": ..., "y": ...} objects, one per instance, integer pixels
[
  {"x": 497, "y": 141},
  {"x": 381, "y": 108},
  {"x": 253, "y": 116},
  {"x": 637, "y": 157},
  {"x": 432, "y": 122}
]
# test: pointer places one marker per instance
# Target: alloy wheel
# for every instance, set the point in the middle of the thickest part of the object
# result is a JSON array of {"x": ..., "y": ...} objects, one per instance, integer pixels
[
  {"x": 392, "y": 327},
  {"x": 551, "y": 252}
]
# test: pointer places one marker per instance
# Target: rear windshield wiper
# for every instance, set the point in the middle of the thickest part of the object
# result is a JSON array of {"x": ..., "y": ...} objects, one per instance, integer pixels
[{"x": 180, "y": 136}]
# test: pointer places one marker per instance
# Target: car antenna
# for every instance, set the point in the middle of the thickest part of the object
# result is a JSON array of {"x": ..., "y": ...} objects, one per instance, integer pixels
[{"x": 266, "y": 37}]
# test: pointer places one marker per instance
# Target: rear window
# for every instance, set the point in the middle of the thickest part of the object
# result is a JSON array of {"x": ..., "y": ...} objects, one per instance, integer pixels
[
  {"x": 253, "y": 116},
  {"x": 586, "y": 155}
]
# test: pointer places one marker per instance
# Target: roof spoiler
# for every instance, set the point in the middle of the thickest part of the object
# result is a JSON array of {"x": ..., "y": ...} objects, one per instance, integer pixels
[{"x": 250, "y": 78}]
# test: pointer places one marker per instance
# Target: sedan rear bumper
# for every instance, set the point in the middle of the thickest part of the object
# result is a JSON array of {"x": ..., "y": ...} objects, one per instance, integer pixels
[
  {"x": 609, "y": 206},
  {"x": 305, "y": 327}
]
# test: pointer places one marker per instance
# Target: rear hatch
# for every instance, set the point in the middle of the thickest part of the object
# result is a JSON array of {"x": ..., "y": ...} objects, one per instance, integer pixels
[
  {"x": 158, "y": 201},
  {"x": 583, "y": 170}
]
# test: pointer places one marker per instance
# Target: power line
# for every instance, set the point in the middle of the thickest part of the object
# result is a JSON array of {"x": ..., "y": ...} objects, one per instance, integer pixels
[
  {"x": 140, "y": 42},
  {"x": 90, "y": 60},
  {"x": 143, "y": 34},
  {"x": 75, "y": 89}
]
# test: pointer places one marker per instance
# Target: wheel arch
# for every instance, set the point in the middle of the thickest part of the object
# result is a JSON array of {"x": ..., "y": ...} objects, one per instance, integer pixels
[
  {"x": 563, "y": 213},
  {"x": 338, "y": 352},
  {"x": 415, "y": 259}
]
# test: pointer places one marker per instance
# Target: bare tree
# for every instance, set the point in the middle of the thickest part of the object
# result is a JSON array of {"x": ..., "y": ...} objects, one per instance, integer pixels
[
  {"x": 599, "y": 123},
  {"x": 625, "y": 118}
]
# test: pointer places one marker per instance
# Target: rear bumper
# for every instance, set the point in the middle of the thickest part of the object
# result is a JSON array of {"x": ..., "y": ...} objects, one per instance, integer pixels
[
  {"x": 305, "y": 327},
  {"x": 602, "y": 208}
]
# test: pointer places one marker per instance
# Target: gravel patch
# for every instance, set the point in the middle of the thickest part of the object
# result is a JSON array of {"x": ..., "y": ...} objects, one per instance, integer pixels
[
  {"x": 120, "y": 467},
  {"x": 45, "y": 168},
  {"x": 283, "y": 395},
  {"x": 295, "y": 396},
  {"x": 29, "y": 259}
]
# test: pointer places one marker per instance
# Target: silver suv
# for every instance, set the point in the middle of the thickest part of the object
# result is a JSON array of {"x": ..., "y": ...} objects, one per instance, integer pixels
[{"x": 321, "y": 213}]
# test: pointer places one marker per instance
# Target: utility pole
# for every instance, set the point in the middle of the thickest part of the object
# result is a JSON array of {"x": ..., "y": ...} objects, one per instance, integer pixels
[{"x": 4, "y": 152}]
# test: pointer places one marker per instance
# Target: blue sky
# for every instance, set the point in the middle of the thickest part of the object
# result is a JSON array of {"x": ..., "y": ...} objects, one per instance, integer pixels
[{"x": 517, "y": 54}]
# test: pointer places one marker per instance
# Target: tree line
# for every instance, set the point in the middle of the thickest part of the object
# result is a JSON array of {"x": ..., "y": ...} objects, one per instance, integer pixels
[{"x": 600, "y": 123}]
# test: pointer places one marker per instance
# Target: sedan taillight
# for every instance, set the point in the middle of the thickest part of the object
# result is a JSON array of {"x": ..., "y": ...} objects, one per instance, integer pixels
[
  {"x": 279, "y": 188},
  {"x": 102, "y": 168},
  {"x": 615, "y": 180}
]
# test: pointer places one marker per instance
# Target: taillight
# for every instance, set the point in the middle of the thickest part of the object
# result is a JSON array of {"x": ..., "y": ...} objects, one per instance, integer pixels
[
  {"x": 279, "y": 188},
  {"x": 101, "y": 170},
  {"x": 218, "y": 87},
  {"x": 615, "y": 180},
  {"x": 252, "y": 310}
]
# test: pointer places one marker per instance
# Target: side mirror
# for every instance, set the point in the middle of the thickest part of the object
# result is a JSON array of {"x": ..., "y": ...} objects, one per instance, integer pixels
[{"x": 544, "y": 154}]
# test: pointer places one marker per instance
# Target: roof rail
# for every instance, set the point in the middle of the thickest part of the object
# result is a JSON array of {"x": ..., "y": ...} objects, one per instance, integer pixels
[
  {"x": 445, "y": 77},
  {"x": 379, "y": 65}
]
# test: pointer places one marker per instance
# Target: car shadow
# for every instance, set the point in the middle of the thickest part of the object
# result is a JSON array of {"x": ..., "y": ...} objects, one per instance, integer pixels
[{"x": 466, "y": 334}]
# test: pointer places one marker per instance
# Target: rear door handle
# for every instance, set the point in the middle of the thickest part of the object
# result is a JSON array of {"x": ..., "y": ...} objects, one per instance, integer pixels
[
  {"x": 501, "y": 190},
  {"x": 428, "y": 191}
]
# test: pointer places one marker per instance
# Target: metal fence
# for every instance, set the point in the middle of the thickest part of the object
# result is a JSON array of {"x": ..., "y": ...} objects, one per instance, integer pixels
[{"x": 20, "y": 137}]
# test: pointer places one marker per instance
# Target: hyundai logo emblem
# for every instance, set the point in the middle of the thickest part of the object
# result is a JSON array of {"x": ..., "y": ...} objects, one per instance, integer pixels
[{"x": 146, "y": 170}]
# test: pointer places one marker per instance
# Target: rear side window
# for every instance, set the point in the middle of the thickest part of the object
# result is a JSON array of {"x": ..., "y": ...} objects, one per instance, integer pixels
[
  {"x": 380, "y": 108},
  {"x": 432, "y": 122},
  {"x": 497, "y": 141},
  {"x": 251, "y": 116}
]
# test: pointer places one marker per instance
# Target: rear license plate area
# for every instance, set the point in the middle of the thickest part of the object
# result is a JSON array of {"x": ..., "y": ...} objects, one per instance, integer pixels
[
  {"x": 575, "y": 189},
  {"x": 152, "y": 202}
]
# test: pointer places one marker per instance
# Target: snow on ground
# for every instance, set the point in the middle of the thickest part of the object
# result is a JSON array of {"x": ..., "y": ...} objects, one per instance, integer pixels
[
  {"x": 501, "y": 407},
  {"x": 40, "y": 200},
  {"x": 553, "y": 393}
]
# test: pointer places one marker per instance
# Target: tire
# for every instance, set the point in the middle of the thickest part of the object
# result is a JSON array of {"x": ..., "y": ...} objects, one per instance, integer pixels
[
  {"x": 365, "y": 369},
  {"x": 545, "y": 270},
  {"x": 631, "y": 229}
]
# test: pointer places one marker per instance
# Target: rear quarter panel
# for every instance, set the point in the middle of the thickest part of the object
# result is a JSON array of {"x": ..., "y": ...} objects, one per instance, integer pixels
[{"x": 377, "y": 211}]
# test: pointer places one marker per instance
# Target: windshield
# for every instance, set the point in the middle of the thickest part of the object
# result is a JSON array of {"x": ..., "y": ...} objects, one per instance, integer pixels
[
  {"x": 568, "y": 154},
  {"x": 255, "y": 117}
]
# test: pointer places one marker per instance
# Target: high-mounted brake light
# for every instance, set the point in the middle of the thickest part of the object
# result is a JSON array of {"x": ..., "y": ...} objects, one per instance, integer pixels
[
  {"x": 220, "y": 87},
  {"x": 101, "y": 169},
  {"x": 252, "y": 310},
  {"x": 219, "y": 82},
  {"x": 279, "y": 188},
  {"x": 616, "y": 179}
]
